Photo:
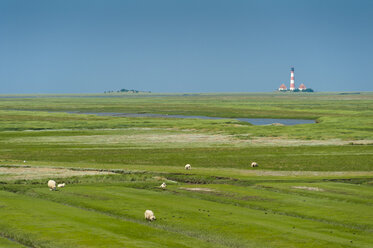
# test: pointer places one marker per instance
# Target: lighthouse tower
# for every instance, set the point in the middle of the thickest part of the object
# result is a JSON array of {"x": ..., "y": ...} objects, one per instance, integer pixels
[{"x": 292, "y": 84}]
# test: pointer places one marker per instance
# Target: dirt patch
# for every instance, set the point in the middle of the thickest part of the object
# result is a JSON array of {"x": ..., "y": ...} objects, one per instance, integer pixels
[
  {"x": 307, "y": 188},
  {"x": 27, "y": 173},
  {"x": 181, "y": 138},
  {"x": 158, "y": 178},
  {"x": 303, "y": 173},
  {"x": 280, "y": 141},
  {"x": 198, "y": 189},
  {"x": 277, "y": 124},
  {"x": 184, "y": 139}
]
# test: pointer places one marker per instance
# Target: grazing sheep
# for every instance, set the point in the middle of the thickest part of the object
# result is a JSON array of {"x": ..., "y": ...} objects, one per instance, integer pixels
[
  {"x": 52, "y": 185},
  {"x": 149, "y": 215},
  {"x": 254, "y": 164},
  {"x": 163, "y": 185},
  {"x": 188, "y": 167},
  {"x": 61, "y": 185},
  {"x": 24, "y": 161}
]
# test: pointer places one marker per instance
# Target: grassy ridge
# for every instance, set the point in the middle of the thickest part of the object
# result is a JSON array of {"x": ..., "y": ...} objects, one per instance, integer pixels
[{"x": 317, "y": 158}]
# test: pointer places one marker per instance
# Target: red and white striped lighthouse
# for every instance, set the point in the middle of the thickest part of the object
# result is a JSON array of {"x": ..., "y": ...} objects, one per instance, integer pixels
[{"x": 292, "y": 84}]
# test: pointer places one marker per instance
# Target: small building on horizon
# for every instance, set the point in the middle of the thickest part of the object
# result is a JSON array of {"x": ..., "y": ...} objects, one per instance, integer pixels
[
  {"x": 282, "y": 88},
  {"x": 302, "y": 87}
]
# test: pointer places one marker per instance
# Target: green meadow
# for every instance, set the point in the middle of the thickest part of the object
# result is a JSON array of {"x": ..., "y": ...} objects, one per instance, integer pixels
[{"x": 313, "y": 186}]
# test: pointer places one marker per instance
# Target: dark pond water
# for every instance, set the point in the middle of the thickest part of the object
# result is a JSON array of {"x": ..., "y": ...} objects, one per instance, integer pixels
[{"x": 254, "y": 121}]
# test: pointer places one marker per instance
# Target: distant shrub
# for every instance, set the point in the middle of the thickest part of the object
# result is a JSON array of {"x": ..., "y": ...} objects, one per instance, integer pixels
[{"x": 308, "y": 90}]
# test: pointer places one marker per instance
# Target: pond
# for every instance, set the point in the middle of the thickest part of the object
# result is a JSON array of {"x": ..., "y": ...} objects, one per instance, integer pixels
[{"x": 254, "y": 121}]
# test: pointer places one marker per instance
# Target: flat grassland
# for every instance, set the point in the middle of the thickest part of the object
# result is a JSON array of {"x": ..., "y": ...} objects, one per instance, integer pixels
[{"x": 313, "y": 186}]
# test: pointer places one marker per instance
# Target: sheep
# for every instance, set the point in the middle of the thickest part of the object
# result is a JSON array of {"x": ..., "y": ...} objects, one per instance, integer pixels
[
  {"x": 149, "y": 215},
  {"x": 254, "y": 164},
  {"x": 188, "y": 167},
  {"x": 24, "y": 161},
  {"x": 52, "y": 185},
  {"x": 163, "y": 185},
  {"x": 61, "y": 185}
]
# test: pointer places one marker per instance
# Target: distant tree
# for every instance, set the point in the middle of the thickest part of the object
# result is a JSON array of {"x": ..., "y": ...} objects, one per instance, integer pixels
[
  {"x": 308, "y": 90},
  {"x": 125, "y": 90}
]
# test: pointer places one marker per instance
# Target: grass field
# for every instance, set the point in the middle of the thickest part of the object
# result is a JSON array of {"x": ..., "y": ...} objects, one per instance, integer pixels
[{"x": 313, "y": 186}]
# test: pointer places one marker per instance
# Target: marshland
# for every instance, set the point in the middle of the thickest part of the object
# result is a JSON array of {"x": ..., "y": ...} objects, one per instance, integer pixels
[{"x": 312, "y": 188}]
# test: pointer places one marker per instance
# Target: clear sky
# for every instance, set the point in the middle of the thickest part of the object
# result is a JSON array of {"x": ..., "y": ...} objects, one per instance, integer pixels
[{"x": 87, "y": 46}]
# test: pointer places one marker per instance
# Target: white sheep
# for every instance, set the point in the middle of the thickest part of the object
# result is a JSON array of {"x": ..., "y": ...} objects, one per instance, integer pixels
[
  {"x": 254, "y": 164},
  {"x": 24, "y": 161},
  {"x": 149, "y": 215},
  {"x": 163, "y": 185},
  {"x": 188, "y": 167},
  {"x": 61, "y": 185},
  {"x": 52, "y": 185}
]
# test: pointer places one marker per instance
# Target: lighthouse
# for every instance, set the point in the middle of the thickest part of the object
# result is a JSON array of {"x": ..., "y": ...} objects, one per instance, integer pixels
[
  {"x": 292, "y": 84},
  {"x": 301, "y": 88}
]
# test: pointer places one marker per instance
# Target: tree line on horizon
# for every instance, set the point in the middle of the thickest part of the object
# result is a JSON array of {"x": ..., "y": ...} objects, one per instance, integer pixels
[{"x": 126, "y": 91}]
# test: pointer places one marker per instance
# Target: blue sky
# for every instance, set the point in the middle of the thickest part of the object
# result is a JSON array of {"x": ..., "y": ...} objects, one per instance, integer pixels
[{"x": 76, "y": 46}]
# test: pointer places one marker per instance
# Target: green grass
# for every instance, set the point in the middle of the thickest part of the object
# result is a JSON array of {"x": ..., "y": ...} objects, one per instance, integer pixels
[
  {"x": 53, "y": 224},
  {"x": 264, "y": 214},
  {"x": 313, "y": 186},
  {"x": 6, "y": 243},
  {"x": 318, "y": 158},
  {"x": 173, "y": 147}
]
